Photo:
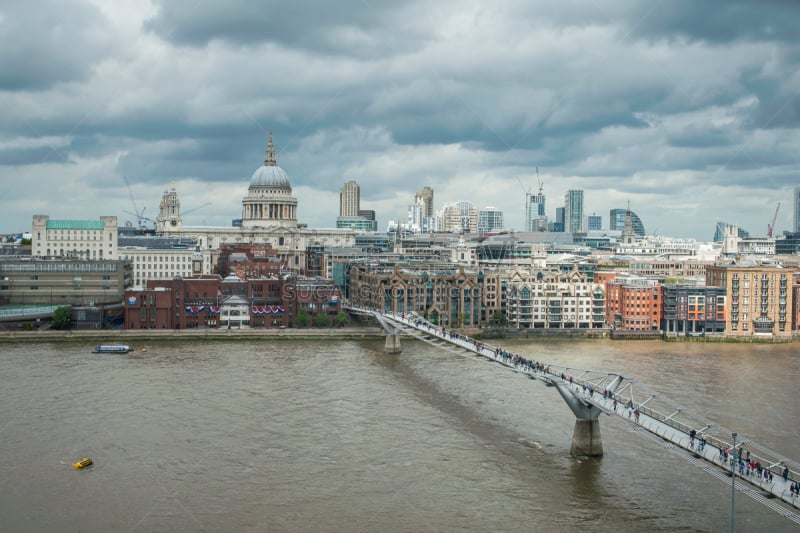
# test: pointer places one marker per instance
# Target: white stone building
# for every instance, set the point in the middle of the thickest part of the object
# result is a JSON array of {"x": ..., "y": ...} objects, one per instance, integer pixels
[
  {"x": 74, "y": 239},
  {"x": 269, "y": 216}
]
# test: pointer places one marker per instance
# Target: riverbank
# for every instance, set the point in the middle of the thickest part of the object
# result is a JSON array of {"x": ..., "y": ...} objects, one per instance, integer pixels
[{"x": 104, "y": 336}]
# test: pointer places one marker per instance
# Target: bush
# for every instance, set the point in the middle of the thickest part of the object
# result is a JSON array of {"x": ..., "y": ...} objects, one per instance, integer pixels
[
  {"x": 61, "y": 318},
  {"x": 302, "y": 319},
  {"x": 341, "y": 319}
]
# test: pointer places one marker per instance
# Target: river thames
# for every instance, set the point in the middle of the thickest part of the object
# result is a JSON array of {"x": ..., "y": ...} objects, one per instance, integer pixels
[{"x": 336, "y": 435}]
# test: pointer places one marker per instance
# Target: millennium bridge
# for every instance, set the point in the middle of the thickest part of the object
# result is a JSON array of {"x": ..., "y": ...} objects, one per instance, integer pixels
[{"x": 762, "y": 474}]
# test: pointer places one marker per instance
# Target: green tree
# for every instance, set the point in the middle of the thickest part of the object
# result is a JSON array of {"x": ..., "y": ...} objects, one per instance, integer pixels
[
  {"x": 61, "y": 318},
  {"x": 27, "y": 326},
  {"x": 25, "y": 242},
  {"x": 461, "y": 318},
  {"x": 322, "y": 320},
  {"x": 498, "y": 319},
  {"x": 341, "y": 319},
  {"x": 302, "y": 319}
]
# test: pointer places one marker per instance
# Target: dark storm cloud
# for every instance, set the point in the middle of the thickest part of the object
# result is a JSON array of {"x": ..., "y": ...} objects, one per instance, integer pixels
[
  {"x": 33, "y": 156},
  {"x": 625, "y": 97},
  {"x": 717, "y": 21},
  {"x": 43, "y": 43},
  {"x": 353, "y": 26}
]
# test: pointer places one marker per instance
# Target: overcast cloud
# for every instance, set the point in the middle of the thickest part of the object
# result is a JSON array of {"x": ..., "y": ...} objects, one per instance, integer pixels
[{"x": 688, "y": 110}]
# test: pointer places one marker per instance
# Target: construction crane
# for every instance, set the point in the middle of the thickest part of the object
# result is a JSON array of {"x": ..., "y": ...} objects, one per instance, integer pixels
[
  {"x": 771, "y": 227},
  {"x": 192, "y": 210},
  {"x": 541, "y": 183},
  {"x": 140, "y": 218}
]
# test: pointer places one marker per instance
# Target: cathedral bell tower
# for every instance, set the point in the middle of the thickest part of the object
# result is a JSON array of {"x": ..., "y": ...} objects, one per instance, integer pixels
[{"x": 169, "y": 211}]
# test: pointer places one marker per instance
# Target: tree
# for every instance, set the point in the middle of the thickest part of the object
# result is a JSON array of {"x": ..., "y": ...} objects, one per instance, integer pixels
[
  {"x": 461, "y": 318},
  {"x": 322, "y": 320},
  {"x": 302, "y": 319},
  {"x": 341, "y": 319},
  {"x": 498, "y": 319},
  {"x": 61, "y": 318}
]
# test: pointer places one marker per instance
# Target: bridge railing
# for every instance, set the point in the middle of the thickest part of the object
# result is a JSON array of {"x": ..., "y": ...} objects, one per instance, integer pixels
[
  {"x": 680, "y": 420},
  {"x": 666, "y": 413}
]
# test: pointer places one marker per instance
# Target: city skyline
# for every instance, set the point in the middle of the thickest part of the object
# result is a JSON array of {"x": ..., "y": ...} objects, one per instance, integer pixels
[{"x": 688, "y": 111}]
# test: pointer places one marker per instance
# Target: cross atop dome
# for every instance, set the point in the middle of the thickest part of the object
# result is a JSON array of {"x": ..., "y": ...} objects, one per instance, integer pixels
[{"x": 270, "y": 160}]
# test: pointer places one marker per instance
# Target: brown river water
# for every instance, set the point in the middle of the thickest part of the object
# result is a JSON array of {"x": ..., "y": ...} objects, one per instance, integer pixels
[{"x": 328, "y": 435}]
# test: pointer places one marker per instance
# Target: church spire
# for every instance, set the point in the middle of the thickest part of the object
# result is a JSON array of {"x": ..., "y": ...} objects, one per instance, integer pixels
[
  {"x": 270, "y": 160},
  {"x": 627, "y": 232}
]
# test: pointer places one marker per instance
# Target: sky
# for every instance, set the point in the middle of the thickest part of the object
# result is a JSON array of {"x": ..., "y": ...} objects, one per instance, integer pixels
[{"x": 687, "y": 110}]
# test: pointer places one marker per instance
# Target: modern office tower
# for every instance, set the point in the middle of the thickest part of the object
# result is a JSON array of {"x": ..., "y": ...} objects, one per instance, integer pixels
[
  {"x": 594, "y": 222},
  {"x": 425, "y": 199},
  {"x": 558, "y": 225},
  {"x": 369, "y": 214},
  {"x": 349, "y": 199},
  {"x": 797, "y": 209},
  {"x": 490, "y": 219},
  {"x": 573, "y": 211},
  {"x": 535, "y": 216},
  {"x": 617, "y": 221},
  {"x": 461, "y": 217}
]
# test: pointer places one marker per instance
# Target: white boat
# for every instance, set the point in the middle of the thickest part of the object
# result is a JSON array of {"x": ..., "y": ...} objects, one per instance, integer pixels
[{"x": 112, "y": 348}]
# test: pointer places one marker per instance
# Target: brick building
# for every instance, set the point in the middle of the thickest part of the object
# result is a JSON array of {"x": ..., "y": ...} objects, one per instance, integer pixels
[
  {"x": 213, "y": 302},
  {"x": 633, "y": 304},
  {"x": 760, "y": 298}
]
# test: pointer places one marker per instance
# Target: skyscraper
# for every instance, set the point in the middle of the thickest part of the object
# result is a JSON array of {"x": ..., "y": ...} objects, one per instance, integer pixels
[
  {"x": 490, "y": 219},
  {"x": 797, "y": 209},
  {"x": 420, "y": 213},
  {"x": 535, "y": 217},
  {"x": 573, "y": 211},
  {"x": 558, "y": 225},
  {"x": 595, "y": 222},
  {"x": 425, "y": 199},
  {"x": 349, "y": 199}
]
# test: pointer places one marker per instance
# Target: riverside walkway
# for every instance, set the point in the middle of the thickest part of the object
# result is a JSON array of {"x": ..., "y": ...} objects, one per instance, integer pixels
[{"x": 760, "y": 473}]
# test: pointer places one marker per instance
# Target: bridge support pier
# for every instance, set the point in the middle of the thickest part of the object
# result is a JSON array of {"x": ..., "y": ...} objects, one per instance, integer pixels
[
  {"x": 586, "y": 438},
  {"x": 392, "y": 344}
]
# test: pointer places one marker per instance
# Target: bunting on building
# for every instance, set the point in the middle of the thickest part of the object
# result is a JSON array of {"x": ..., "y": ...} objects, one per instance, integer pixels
[{"x": 266, "y": 310}]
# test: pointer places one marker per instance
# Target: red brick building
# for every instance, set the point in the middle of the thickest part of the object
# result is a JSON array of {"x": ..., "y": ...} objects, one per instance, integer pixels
[
  {"x": 633, "y": 304},
  {"x": 213, "y": 302}
]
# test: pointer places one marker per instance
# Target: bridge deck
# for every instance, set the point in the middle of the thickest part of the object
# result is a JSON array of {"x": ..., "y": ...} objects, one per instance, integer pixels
[{"x": 589, "y": 387}]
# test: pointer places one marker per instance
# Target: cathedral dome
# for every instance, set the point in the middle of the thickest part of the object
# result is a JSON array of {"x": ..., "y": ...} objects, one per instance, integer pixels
[{"x": 270, "y": 175}]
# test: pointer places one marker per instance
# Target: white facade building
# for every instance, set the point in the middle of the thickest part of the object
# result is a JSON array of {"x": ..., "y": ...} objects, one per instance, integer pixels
[
  {"x": 349, "y": 199},
  {"x": 158, "y": 258},
  {"x": 75, "y": 239}
]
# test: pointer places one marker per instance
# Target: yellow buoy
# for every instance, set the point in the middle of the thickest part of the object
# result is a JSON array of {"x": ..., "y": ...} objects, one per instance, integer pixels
[
  {"x": 144, "y": 349},
  {"x": 83, "y": 463}
]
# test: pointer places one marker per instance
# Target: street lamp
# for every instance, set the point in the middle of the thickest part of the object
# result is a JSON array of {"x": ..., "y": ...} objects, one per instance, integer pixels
[{"x": 733, "y": 479}]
